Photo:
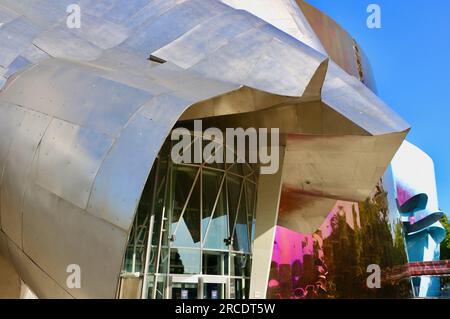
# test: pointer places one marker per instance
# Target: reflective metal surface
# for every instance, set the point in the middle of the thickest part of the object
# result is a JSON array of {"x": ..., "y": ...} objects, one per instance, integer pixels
[
  {"x": 320, "y": 170},
  {"x": 284, "y": 15},
  {"x": 84, "y": 115},
  {"x": 332, "y": 261},
  {"x": 16, "y": 172}
]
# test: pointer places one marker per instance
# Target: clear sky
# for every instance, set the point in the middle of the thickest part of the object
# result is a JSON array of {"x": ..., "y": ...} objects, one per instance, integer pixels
[{"x": 410, "y": 56}]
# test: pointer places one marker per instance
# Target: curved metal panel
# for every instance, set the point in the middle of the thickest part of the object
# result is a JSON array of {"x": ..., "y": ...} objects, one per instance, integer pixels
[
  {"x": 57, "y": 234},
  {"x": 324, "y": 164},
  {"x": 249, "y": 57},
  {"x": 337, "y": 42},
  {"x": 41, "y": 283},
  {"x": 69, "y": 155},
  {"x": 189, "y": 85},
  {"x": 16, "y": 172},
  {"x": 10, "y": 121},
  {"x": 122, "y": 177},
  {"x": 284, "y": 15},
  {"x": 351, "y": 98},
  {"x": 188, "y": 14},
  {"x": 62, "y": 43},
  {"x": 18, "y": 64},
  {"x": 15, "y": 36},
  {"x": 414, "y": 174},
  {"x": 73, "y": 152},
  {"x": 7, "y": 15},
  {"x": 49, "y": 88},
  {"x": 339, "y": 45},
  {"x": 98, "y": 7},
  {"x": 41, "y": 13},
  {"x": 318, "y": 169},
  {"x": 185, "y": 51},
  {"x": 100, "y": 32},
  {"x": 296, "y": 64},
  {"x": 120, "y": 14},
  {"x": 147, "y": 14},
  {"x": 34, "y": 54}
]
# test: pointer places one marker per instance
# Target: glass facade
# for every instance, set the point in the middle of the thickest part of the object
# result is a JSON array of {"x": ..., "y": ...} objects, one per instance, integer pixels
[{"x": 200, "y": 219}]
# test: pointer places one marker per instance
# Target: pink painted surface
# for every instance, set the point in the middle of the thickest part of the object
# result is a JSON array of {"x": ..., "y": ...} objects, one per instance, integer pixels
[{"x": 403, "y": 193}]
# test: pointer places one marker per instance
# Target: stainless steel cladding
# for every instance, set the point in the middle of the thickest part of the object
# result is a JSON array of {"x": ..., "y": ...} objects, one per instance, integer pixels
[{"x": 84, "y": 114}]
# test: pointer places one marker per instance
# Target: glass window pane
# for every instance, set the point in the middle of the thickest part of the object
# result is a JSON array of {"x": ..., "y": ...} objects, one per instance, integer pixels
[
  {"x": 250, "y": 199},
  {"x": 239, "y": 265},
  {"x": 234, "y": 189},
  {"x": 182, "y": 181},
  {"x": 146, "y": 202},
  {"x": 159, "y": 202},
  {"x": 215, "y": 263},
  {"x": 184, "y": 261},
  {"x": 211, "y": 184},
  {"x": 218, "y": 228},
  {"x": 240, "y": 240},
  {"x": 152, "y": 260},
  {"x": 164, "y": 260},
  {"x": 185, "y": 228},
  {"x": 135, "y": 254},
  {"x": 160, "y": 287},
  {"x": 129, "y": 259}
]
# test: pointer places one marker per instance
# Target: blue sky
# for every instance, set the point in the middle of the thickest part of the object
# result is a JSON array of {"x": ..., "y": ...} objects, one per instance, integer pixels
[{"x": 410, "y": 56}]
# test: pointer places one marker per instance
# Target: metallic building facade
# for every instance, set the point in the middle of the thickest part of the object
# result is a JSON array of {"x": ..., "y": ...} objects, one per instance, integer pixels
[
  {"x": 340, "y": 45},
  {"x": 396, "y": 228},
  {"x": 333, "y": 261},
  {"x": 85, "y": 114}
]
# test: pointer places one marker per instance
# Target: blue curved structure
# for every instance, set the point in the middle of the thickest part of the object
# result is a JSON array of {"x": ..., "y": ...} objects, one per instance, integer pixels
[
  {"x": 417, "y": 204},
  {"x": 423, "y": 233}
]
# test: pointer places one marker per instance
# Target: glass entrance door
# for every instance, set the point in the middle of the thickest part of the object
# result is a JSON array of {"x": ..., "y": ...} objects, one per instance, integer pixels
[
  {"x": 215, "y": 287},
  {"x": 182, "y": 287},
  {"x": 213, "y": 291},
  {"x": 199, "y": 287}
]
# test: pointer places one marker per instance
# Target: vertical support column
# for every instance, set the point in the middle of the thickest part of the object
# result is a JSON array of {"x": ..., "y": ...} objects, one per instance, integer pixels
[
  {"x": 269, "y": 191},
  {"x": 168, "y": 292},
  {"x": 200, "y": 292}
]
